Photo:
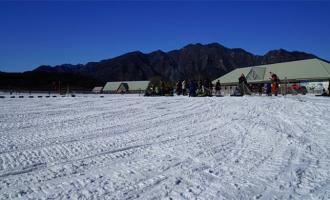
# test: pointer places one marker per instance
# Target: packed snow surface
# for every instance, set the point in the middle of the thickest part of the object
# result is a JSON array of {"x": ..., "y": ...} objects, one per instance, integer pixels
[{"x": 134, "y": 147}]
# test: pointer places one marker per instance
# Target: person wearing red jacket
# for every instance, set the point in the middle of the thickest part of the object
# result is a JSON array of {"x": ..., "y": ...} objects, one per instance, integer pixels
[{"x": 275, "y": 83}]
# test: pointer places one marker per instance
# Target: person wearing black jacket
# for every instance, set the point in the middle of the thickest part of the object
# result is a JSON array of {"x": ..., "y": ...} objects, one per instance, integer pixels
[
  {"x": 242, "y": 83},
  {"x": 217, "y": 88}
]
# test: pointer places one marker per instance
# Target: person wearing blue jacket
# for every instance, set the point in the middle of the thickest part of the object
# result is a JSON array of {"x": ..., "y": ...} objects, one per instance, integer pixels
[
  {"x": 269, "y": 89},
  {"x": 192, "y": 89}
]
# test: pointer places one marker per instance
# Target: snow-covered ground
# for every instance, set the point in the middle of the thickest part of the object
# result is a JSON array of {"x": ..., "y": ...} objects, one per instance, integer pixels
[{"x": 131, "y": 147}]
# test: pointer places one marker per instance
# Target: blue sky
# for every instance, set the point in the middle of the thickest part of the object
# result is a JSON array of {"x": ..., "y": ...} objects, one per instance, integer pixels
[{"x": 36, "y": 33}]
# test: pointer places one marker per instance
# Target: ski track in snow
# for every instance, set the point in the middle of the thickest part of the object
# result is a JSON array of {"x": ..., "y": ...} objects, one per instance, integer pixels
[{"x": 131, "y": 147}]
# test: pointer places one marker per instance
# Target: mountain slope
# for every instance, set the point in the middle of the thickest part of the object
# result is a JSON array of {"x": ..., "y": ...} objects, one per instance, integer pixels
[{"x": 194, "y": 61}]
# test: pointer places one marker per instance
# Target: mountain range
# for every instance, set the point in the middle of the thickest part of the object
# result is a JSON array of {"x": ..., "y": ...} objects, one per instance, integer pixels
[{"x": 194, "y": 61}]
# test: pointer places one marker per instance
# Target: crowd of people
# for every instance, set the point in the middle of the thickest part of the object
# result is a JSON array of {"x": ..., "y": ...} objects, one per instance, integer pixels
[
  {"x": 270, "y": 88},
  {"x": 160, "y": 89},
  {"x": 203, "y": 88},
  {"x": 190, "y": 88}
]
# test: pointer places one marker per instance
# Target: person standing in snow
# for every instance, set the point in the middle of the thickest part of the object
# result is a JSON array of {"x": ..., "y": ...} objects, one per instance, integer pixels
[
  {"x": 162, "y": 88},
  {"x": 242, "y": 83},
  {"x": 218, "y": 88},
  {"x": 206, "y": 88},
  {"x": 324, "y": 93},
  {"x": 275, "y": 83},
  {"x": 192, "y": 89},
  {"x": 210, "y": 88},
  {"x": 178, "y": 87},
  {"x": 260, "y": 89},
  {"x": 268, "y": 88},
  {"x": 199, "y": 87},
  {"x": 183, "y": 86},
  {"x": 156, "y": 91}
]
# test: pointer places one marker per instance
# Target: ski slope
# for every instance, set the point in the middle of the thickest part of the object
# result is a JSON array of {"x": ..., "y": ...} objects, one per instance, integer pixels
[{"x": 132, "y": 147}]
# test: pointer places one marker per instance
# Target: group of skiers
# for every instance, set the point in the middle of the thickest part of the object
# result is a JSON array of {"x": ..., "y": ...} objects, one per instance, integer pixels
[
  {"x": 200, "y": 88},
  {"x": 191, "y": 88},
  {"x": 270, "y": 88},
  {"x": 161, "y": 89},
  {"x": 194, "y": 88}
]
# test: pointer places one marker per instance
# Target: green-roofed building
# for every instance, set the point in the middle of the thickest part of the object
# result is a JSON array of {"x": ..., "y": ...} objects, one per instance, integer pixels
[
  {"x": 288, "y": 72},
  {"x": 126, "y": 87},
  {"x": 295, "y": 71}
]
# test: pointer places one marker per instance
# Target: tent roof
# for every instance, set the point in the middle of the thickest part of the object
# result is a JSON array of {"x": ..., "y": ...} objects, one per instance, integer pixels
[
  {"x": 311, "y": 69},
  {"x": 132, "y": 85},
  {"x": 137, "y": 85},
  {"x": 97, "y": 89},
  {"x": 256, "y": 74},
  {"x": 123, "y": 86},
  {"x": 111, "y": 86},
  {"x": 232, "y": 77}
]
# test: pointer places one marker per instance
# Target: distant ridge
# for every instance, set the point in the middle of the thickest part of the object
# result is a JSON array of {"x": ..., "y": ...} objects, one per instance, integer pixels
[{"x": 193, "y": 61}]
